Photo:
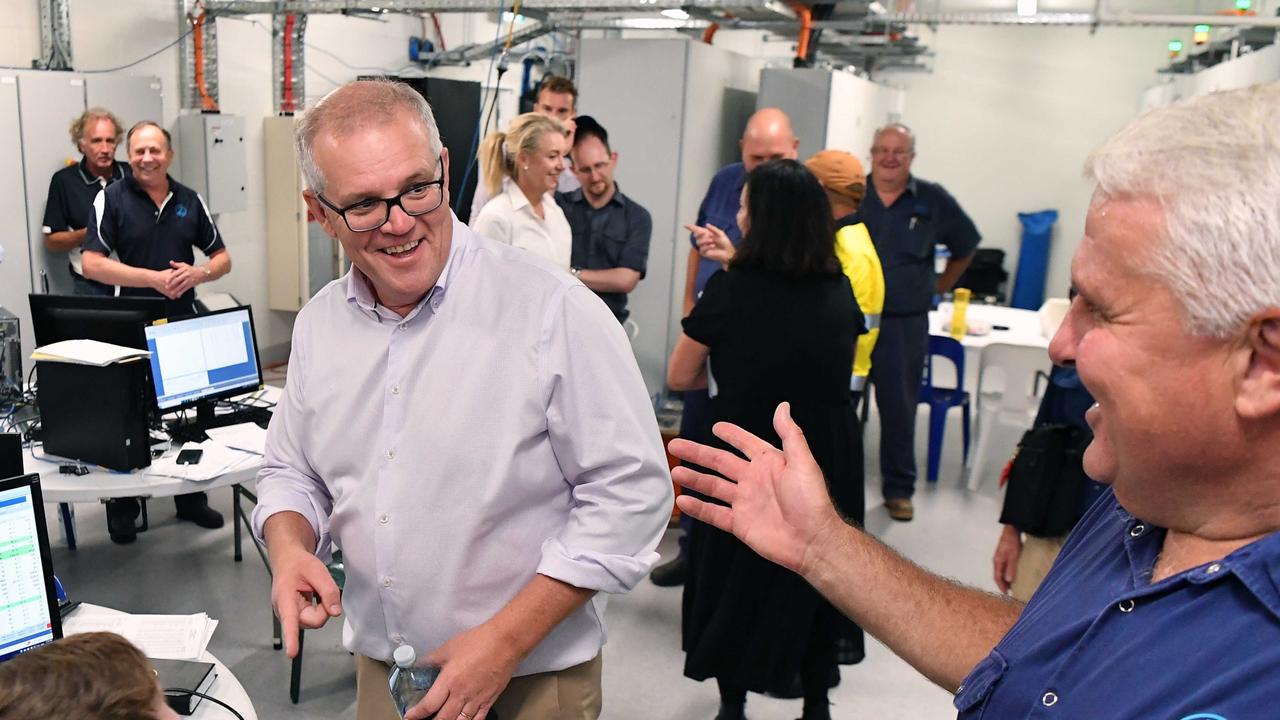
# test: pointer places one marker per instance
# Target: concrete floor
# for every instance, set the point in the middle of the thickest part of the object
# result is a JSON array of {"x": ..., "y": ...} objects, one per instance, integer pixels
[{"x": 178, "y": 568}]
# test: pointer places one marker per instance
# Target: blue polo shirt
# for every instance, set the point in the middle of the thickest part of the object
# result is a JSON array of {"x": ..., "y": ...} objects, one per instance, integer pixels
[
  {"x": 720, "y": 208},
  {"x": 1098, "y": 640},
  {"x": 905, "y": 233},
  {"x": 125, "y": 221}
]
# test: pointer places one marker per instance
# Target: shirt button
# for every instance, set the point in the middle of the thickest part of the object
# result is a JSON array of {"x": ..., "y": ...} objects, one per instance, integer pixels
[
  {"x": 386, "y": 582},
  {"x": 384, "y": 519},
  {"x": 1126, "y": 606},
  {"x": 397, "y": 639},
  {"x": 1049, "y": 699},
  {"x": 1137, "y": 530},
  {"x": 1213, "y": 569},
  {"x": 391, "y": 454},
  {"x": 403, "y": 327},
  {"x": 395, "y": 389}
]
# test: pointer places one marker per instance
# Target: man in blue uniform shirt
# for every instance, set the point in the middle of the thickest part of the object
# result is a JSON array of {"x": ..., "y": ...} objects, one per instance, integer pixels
[
  {"x": 768, "y": 136},
  {"x": 153, "y": 224},
  {"x": 907, "y": 217},
  {"x": 1165, "y": 601}
]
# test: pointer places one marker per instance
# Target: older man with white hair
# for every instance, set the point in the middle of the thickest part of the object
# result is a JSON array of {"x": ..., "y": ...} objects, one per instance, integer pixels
[
  {"x": 468, "y": 424},
  {"x": 1165, "y": 601}
]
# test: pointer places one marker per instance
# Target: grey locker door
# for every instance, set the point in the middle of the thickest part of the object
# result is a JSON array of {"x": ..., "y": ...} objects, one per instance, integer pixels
[
  {"x": 47, "y": 103},
  {"x": 15, "y": 266},
  {"x": 129, "y": 98}
]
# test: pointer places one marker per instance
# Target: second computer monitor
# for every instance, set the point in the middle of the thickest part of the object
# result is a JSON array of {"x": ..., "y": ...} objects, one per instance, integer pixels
[
  {"x": 203, "y": 358},
  {"x": 115, "y": 320}
]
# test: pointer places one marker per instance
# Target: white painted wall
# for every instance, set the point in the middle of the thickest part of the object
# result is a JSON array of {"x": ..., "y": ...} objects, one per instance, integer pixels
[{"x": 1008, "y": 116}]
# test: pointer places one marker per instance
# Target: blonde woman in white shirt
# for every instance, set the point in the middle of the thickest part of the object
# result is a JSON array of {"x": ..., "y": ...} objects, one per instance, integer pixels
[{"x": 524, "y": 213}]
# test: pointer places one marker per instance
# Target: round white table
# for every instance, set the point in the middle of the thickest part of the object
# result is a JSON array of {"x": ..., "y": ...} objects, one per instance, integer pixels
[
  {"x": 100, "y": 485},
  {"x": 227, "y": 689}
]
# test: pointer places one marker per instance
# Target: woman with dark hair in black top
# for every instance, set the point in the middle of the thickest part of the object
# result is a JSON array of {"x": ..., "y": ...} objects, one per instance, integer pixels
[{"x": 779, "y": 323}]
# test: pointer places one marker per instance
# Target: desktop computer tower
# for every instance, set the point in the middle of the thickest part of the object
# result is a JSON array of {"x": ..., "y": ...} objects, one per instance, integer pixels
[{"x": 96, "y": 414}]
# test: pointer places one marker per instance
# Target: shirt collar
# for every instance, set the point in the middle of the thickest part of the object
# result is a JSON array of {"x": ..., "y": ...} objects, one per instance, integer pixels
[
  {"x": 89, "y": 178},
  {"x": 580, "y": 197},
  {"x": 518, "y": 200},
  {"x": 1256, "y": 565},
  {"x": 360, "y": 288}
]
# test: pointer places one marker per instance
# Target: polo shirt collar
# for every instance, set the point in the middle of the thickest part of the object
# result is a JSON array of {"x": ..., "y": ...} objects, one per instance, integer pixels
[
  {"x": 89, "y": 178},
  {"x": 1256, "y": 565},
  {"x": 360, "y": 288}
]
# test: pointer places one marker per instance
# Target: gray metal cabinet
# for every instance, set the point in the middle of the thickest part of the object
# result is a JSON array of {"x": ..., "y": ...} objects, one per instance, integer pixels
[{"x": 15, "y": 275}]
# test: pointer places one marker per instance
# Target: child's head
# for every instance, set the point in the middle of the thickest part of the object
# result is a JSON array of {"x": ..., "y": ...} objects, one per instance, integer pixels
[{"x": 94, "y": 676}]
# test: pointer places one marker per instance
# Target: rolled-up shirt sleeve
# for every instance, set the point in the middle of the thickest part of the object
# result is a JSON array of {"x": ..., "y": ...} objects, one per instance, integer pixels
[
  {"x": 287, "y": 481},
  {"x": 605, "y": 437}
]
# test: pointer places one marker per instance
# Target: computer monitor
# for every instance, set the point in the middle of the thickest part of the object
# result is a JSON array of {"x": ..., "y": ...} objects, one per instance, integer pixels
[
  {"x": 202, "y": 358},
  {"x": 109, "y": 319},
  {"x": 29, "y": 615}
]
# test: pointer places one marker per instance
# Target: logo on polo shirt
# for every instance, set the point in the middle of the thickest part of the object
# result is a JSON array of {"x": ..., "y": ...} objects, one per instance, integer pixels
[{"x": 180, "y": 211}]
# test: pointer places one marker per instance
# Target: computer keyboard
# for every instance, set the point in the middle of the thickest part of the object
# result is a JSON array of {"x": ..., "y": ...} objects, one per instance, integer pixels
[{"x": 195, "y": 431}]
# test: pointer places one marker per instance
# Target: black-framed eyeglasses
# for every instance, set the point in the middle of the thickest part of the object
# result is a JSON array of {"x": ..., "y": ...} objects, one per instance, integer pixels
[{"x": 372, "y": 213}]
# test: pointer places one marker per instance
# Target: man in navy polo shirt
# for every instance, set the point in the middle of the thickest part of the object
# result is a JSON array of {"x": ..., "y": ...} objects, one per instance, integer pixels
[
  {"x": 768, "y": 136},
  {"x": 96, "y": 133},
  {"x": 153, "y": 224},
  {"x": 907, "y": 217},
  {"x": 1165, "y": 601}
]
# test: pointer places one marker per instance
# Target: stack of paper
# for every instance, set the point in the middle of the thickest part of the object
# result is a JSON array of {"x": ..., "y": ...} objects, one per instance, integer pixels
[
  {"x": 245, "y": 436},
  {"x": 88, "y": 352},
  {"x": 167, "y": 637},
  {"x": 217, "y": 459}
]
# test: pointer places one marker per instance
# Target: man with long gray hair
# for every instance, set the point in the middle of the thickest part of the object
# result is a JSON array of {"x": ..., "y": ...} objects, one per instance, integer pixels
[
  {"x": 467, "y": 422},
  {"x": 1165, "y": 601}
]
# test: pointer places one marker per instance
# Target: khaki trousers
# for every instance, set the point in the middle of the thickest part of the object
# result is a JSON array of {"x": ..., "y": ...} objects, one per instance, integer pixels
[
  {"x": 569, "y": 694},
  {"x": 1037, "y": 557}
]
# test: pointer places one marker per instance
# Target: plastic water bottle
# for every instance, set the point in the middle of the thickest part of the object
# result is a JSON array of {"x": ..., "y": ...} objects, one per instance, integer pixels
[
  {"x": 959, "y": 309},
  {"x": 409, "y": 684}
]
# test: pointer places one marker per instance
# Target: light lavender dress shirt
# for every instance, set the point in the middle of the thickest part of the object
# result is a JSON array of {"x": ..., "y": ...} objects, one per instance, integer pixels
[{"x": 499, "y": 430}]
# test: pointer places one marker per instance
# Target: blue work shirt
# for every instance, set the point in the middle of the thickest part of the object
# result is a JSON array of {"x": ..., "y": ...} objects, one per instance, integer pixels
[
  {"x": 905, "y": 234},
  {"x": 1099, "y": 640},
  {"x": 124, "y": 220},
  {"x": 720, "y": 208}
]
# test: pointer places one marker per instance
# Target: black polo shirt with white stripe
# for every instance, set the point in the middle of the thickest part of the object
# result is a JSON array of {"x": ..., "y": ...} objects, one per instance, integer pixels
[
  {"x": 124, "y": 220},
  {"x": 71, "y": 193}
]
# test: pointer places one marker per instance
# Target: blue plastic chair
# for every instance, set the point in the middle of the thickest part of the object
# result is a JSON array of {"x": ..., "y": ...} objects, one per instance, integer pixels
[{"x": 940, "y": 400}]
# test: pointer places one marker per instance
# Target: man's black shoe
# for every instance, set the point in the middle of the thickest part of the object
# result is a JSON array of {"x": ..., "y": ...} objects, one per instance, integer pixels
[
  {"x": 670, "y": 573},
  {"x": 195, "y": 507},
  {"x": 122, "y": 519}
]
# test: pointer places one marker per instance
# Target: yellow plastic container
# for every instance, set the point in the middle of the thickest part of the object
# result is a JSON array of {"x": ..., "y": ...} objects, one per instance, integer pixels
[{"x": 959, "y": 311}]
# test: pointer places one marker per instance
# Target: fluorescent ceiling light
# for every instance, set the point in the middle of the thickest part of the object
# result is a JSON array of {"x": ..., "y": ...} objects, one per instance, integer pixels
[
  {"x": 675, "y": 14},
  {"x": 1026, "y": 7},
  {"x": 651, "y": 23}
]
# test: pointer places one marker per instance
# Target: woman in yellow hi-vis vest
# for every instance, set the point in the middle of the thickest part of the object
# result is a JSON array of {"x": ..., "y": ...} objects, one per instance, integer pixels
[{"x": 845, "y": 181}]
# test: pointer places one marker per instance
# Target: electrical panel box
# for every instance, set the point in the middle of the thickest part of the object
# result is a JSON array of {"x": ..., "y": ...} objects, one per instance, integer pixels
[
  {"x": 211, "y": 153},
  {"x": 301, "y": 257}
]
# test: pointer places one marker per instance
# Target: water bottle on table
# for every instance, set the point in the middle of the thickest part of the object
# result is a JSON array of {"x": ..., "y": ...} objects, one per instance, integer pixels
[
  {"x": 959, "y": 311},
  {"x": 409, "y": 684}
]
